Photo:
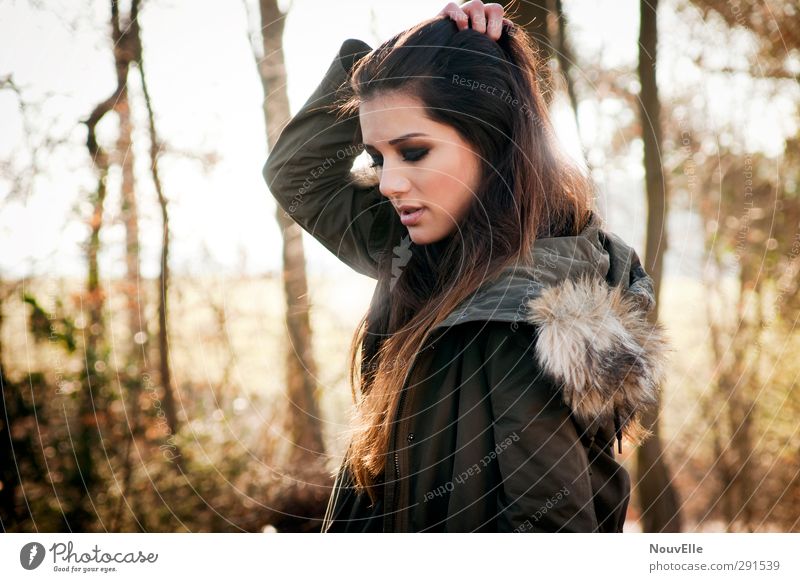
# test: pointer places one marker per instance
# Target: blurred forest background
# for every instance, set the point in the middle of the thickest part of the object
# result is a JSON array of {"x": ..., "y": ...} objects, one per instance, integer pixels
[{"x": 173, "y": 351}]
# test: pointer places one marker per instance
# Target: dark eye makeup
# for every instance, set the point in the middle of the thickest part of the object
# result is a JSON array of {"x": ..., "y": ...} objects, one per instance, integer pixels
[{"x": 409, "y": 155}]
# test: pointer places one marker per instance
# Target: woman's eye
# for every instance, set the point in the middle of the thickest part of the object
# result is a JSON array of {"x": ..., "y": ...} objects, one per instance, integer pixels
[
  {"x": 414, "y": 155},
  {"x": 408, "y": 156}
]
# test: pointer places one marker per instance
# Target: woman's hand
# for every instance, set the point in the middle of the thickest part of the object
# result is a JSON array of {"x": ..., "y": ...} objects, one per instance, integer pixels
[{"x": 486, "y": 18}]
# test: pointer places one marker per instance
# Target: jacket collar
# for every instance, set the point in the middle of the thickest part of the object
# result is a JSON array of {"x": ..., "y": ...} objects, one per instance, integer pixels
[{"x": 588, "y": 297}]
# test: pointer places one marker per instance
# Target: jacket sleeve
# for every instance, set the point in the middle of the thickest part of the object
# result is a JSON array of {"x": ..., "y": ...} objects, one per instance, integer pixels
[
  {"x": 546, "y": 483},
  {"x": 309, "y": 172}
]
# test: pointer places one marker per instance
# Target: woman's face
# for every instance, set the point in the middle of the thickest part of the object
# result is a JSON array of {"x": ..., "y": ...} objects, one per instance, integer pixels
[{"x": 422, "y": 164}]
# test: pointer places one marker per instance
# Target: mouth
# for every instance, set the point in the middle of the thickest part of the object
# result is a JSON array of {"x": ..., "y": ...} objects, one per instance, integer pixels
[{"x": 410, "y": 215}]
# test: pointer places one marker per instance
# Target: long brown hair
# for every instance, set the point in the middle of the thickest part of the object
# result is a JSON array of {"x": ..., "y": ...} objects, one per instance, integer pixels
[{"x": 528, "y": 189}]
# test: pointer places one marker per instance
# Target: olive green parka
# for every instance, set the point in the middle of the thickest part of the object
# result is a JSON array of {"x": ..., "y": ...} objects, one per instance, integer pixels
[{"x": 510, "y": 411}]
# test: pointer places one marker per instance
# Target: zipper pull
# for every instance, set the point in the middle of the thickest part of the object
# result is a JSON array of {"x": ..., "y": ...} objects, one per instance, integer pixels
[{"x": 618, "y": 431}]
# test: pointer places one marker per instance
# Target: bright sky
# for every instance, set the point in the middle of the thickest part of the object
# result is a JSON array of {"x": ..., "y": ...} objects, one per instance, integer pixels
[{"x": 207, "y": 98}]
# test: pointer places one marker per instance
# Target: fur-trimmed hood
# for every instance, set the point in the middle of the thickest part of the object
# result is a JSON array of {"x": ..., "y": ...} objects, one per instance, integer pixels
[{"x": 588, "y": 298}]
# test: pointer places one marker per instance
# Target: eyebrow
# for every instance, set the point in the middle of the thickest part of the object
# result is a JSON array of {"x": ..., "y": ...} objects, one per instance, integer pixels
[{"x": 397, "y": 139}]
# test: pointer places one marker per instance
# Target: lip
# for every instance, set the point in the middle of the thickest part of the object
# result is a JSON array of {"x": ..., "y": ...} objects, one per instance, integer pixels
[{"x": 410, "y": 218}]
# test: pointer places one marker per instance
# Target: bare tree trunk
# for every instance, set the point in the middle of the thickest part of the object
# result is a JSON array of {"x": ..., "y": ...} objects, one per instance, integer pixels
[
  {"x": 130, "y": 219},
  {"x": 660, "y": 507},
  {"x": 84, "y": 477},
  {"x": 170, "y": 408},
  {"x": 303, "y": 424},
  {"x": 131, "y": 381},
  {"x": 306, "y": 493}
]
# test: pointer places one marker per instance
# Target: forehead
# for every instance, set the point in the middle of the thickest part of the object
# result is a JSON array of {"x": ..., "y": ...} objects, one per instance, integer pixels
[{"x": 388, "y": 115}]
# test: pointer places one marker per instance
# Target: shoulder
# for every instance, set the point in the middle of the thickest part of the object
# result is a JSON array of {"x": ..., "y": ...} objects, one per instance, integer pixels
[
  {"x": 494, "y": 341},
  {"x": 508, "y": 335},
  {"x": 508, "y": 361},
  {"x": 596, "y": 341}
]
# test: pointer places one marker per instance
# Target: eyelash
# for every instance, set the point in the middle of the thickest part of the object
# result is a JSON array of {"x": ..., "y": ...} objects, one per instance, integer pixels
[{"x": 415, "y": 156}]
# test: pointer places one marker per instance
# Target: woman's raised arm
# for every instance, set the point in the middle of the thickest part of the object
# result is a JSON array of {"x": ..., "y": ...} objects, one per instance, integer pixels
[{"x": 309, "y": 172}]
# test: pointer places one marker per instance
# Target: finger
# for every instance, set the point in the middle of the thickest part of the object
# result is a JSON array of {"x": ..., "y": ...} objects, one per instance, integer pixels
[
  {"x": 477, "y": 16},
  {"x": 454, "y": 12},
  {"x": 448, "y": 9},
  {"x": 494, "y": 20}
]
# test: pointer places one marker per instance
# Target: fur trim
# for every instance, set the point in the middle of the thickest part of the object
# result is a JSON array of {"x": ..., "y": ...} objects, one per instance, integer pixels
[
  {"x": 596, "y": 341},
  {"x": 364, "y": 177}
]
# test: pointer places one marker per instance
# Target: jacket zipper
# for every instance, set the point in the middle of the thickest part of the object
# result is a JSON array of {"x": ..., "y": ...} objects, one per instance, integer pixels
[
  {"x": 397, "y": 484},
  {"x": 396, "y": 454},
  {"x": 389, "y": 508}
]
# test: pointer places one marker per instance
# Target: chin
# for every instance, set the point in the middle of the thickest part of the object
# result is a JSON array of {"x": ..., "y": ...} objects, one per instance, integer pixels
[{"x": 423, "y": 237}]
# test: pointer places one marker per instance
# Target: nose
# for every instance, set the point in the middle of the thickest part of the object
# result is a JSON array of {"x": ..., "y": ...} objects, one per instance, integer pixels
[{"x": 393, "y": 182}]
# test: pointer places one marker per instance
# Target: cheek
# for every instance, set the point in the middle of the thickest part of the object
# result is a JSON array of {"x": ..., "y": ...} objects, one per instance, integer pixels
[{"x": 451, "y": 184}]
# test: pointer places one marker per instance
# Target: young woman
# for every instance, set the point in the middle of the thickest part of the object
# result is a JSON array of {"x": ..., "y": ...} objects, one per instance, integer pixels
[{"x": 506, "y": 346}]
